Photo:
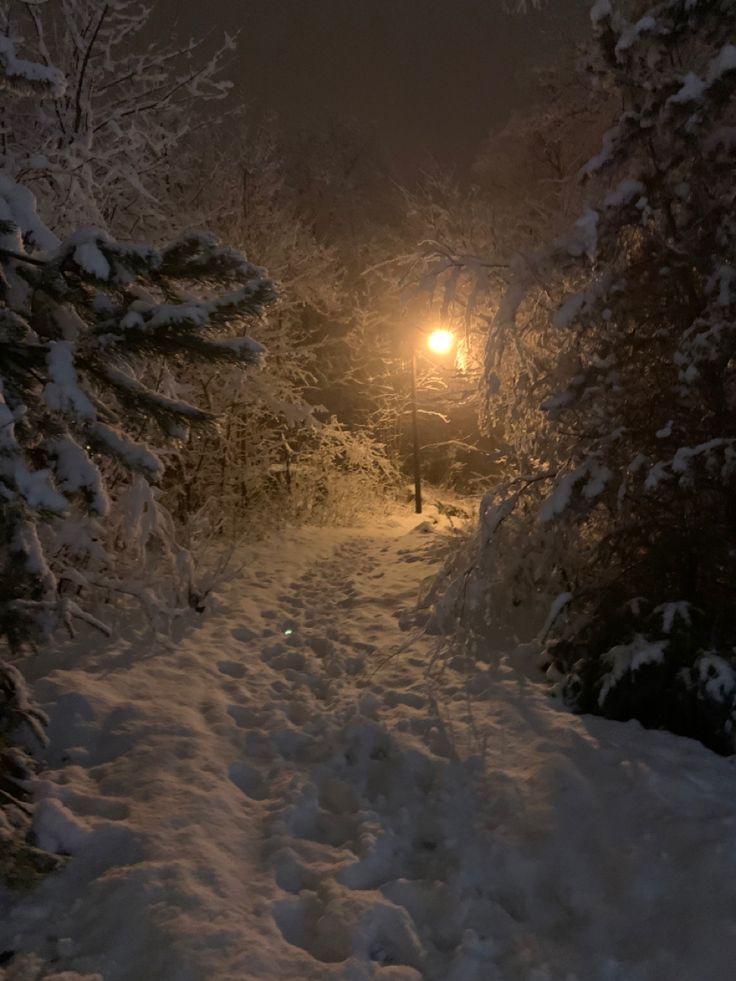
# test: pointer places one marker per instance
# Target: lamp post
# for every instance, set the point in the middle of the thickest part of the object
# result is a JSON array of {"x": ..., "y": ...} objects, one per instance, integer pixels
[{"x": 439, "y": 342}]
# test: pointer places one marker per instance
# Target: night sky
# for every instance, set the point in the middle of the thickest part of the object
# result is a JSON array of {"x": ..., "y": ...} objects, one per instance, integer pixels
[{"x": 424, "y": 77}]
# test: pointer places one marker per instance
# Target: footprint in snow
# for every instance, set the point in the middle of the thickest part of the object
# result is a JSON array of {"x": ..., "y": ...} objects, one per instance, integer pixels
[
  {"x": 245, "y": 717},
  {"x": 233, "y": 669},
  {"x": 293, "y": 601},
  {"x": 299, "y": 713},
  {"x": 299, "y": 921},
  {"x": 322, "y": 646},
  {"x": 243, "y": 634},
  {"x": 349, "y": 925},
  {"x": 292, "y": 874},
  {"x": 248, "y": 781},
  {"x": 337, "y": 829},
  {"x": 276, "y": 656},
  {"x": 410, "y": 698},
  {"x": 337, "y": 796}
]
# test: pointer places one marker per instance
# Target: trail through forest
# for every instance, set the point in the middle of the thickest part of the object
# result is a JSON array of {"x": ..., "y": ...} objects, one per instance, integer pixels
[{"x": 282, "y": 793}]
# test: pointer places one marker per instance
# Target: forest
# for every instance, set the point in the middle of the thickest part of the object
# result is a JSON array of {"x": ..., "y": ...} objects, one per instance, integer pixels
[{"x": 368, "y": 543}]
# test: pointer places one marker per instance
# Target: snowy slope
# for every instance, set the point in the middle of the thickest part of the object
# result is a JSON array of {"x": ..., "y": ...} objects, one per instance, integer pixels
[{"x": 271, "y": 798}]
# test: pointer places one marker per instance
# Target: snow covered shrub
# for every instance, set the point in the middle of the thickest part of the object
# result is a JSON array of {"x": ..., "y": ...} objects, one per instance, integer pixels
[
  {"x": 269, "y": 463},
  {"x": 610, "y": 367},
  {"x": 336, "y": 476},
  {"x": 278, "y": 454}
]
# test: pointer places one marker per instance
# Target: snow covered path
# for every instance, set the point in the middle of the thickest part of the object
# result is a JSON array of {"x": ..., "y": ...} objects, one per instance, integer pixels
[{"x": 273, "y": 798}]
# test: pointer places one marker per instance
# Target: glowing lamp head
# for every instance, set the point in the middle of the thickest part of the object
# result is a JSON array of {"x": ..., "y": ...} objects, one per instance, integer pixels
[{"x": 441, "y": 341}]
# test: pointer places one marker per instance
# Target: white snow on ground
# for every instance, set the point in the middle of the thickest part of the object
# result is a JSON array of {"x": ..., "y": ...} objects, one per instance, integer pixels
[{"x": 270, "y": 798}]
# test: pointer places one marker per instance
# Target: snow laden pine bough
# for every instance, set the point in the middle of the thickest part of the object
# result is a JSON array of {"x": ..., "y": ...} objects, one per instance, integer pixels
[{"x": 89, "y": 327}]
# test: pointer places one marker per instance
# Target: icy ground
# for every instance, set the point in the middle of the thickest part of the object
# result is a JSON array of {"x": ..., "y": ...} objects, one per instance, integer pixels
[{"x": 271, "y": 798}]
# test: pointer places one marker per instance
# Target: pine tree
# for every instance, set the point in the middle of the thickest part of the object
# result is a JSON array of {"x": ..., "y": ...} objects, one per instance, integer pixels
[
  {"x": 17, "y": 76},
  {"x": 72, "y": 323}
]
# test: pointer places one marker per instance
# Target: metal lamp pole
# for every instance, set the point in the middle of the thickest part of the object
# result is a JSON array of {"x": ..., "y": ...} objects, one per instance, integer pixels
[
  {"x": 415, "y": 432},
  {"x": 439, "y": 342}
]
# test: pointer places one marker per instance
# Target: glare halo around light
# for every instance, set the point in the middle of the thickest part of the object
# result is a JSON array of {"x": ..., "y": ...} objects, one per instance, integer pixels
[{"x": 441, "y": 341}]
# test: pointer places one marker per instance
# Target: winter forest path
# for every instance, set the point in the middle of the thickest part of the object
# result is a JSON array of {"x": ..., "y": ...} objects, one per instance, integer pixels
[{"x": 283, "y": 795}]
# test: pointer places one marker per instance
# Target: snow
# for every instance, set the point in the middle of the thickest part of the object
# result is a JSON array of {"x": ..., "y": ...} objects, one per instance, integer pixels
[
  {"x": 624, "y": 194},
  {"x": 600, "y": 475},
  {"x": 76, "y": 472},
  {"x": 136, "y": 456},
  {"x": 724, "y": 277},
  {"x": 586, "y": 237},
  {"x": 560, "y": 498},
  {"x": 631, "y": 34},
  {"x": 557, "y": 606},
  {"x": 724, "y": 62},
  {"x": 692, "y": 89},
  {"x": 284, "y": 792},
  {"x": 35, "y": 486},
  {"x": 604, "y": 155},
  {"x": 18, "y": 205},
  {"x": 62, "y": 393},
  {"x": 493, "y": 513},
  {"x": 568, "y": 312},
  {"x": 243, "y": 347},
  {"x": 20, "y": 71},
  {"x": 155, "y": 400},
  {"x": 600, "y": 10},
  {"x": 142, "y": 315},
  {"x": 56, "y": 829},
  {"x": 173, "y": 314},
  {"x": 25, "y": 542},
  {"x": 627, "y": 659},
  {"x": 90, "y": 257},
  {"x": 671, "y": 611},
  {"x": 657, "y": 473},
  {"x": 682, "y": 460},
  {"x": 717, "y": 676}
]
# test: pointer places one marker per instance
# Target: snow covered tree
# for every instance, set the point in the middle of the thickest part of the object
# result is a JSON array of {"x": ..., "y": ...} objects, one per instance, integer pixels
[
  {"x": 18, "y": 76},
  {"x": 76, "y": 421},
  {"x": 83, "y": 321},
  {"x": 77, "y": 318},
  {"x": 610, "y": 366},
  {"x": 106, "y": 148}
]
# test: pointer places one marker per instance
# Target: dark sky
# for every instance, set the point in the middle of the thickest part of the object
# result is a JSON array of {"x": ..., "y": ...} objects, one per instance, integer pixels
[{"x": 427, "y": 77}]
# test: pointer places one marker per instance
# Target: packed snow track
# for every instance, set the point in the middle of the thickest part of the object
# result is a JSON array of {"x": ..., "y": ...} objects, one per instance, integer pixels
[{"x": 282, "y": 794}]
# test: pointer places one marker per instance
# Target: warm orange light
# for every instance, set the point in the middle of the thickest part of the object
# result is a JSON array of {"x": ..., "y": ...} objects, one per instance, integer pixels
[{"x": 441, "y": 341}]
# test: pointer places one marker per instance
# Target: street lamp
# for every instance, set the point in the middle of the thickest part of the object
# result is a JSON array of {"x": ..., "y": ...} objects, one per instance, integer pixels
[{"x": 440, "y": 342}]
